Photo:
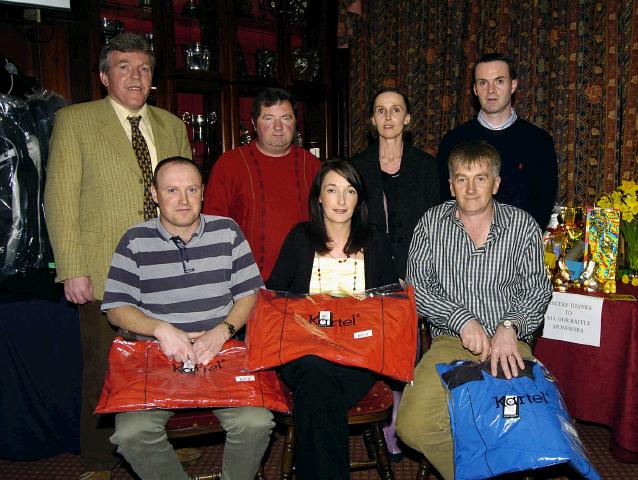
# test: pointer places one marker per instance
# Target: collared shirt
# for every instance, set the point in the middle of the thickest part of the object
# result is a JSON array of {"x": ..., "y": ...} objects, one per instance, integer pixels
[
  {"x": 145, "y": 127},
  {"x": 482, "y": 119},
  {"x": 194, "y": 284},
  {"x": 455, "y": 282}
]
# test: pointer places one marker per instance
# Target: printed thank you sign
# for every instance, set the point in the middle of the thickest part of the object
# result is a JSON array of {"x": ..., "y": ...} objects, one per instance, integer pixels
[{"x": 574, "y": 318}]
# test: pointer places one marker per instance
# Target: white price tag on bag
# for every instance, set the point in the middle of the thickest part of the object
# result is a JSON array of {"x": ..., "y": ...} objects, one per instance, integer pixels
[{"x": 363, "y": 334}]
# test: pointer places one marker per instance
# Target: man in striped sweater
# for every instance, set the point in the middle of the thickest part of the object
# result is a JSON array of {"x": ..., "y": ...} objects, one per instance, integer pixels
[
  {"x": 188, "y": 280},
  {"x": 479, "y": 278}
]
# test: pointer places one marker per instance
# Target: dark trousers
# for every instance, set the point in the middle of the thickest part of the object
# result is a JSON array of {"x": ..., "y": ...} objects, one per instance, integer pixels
[
  {"x": 96, "y": 335},
  {"x": 323, "y": 393}
]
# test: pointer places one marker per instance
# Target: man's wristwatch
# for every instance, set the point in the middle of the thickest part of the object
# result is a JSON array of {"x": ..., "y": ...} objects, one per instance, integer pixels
[
  {"x": 231, "y": 328},
  {"x": 509, "y": 324}
]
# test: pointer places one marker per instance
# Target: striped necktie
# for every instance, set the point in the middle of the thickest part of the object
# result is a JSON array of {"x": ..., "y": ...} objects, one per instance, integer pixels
[{"x": 140, "y": 148}]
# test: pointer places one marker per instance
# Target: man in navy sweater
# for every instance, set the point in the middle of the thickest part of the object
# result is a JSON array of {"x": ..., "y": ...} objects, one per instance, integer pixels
[{"x": 529, "y": 172}]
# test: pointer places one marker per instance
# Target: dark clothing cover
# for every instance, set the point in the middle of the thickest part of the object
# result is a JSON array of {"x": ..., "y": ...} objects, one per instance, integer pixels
[
  {"x": 529, "y": 173},
  {"x": 418, "y": 190},
  {"x": 24, "y": 243},
  {"x": 293, "y": 268},
  {"x": 19, "y": 187}
]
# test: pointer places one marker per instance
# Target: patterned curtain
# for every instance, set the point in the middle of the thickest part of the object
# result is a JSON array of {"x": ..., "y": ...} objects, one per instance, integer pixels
[{"x": 577, "y": 65}]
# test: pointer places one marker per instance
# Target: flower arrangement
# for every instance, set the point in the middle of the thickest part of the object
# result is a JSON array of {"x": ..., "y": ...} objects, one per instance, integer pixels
[{"x": 625, "y": 200}]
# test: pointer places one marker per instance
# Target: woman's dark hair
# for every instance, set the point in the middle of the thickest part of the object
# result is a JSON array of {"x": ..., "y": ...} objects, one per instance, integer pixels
[
  {"x": 360, "y": 230},
  {"x": 406, "y": 100}
]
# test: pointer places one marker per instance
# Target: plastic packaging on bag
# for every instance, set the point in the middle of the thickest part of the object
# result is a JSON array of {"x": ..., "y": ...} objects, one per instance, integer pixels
[
  {"x": 375, "y": 330},
  {"x": 24, "y": 242},
  {"x": 140, "y": 377},
  {"x": 43, "y": 105},
  {"x": 501, "y": 426},
  {"x": 19, "y": 183}
]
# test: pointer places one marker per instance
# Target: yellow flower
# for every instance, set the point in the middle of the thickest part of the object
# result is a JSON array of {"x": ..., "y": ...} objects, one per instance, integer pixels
[
  {"x": 604, "y": 202},
  {"x": 628, "y": 187},
  {"x": 624, "y": 199},
  {"x": 616, "y": 198}
]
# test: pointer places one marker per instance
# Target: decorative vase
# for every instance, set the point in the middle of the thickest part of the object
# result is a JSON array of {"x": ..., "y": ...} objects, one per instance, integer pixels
[{"x": 630, "y": 235}]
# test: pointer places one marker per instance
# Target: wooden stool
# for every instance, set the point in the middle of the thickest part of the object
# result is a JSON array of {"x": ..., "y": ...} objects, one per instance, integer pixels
[{"x": 372, "y": 412}]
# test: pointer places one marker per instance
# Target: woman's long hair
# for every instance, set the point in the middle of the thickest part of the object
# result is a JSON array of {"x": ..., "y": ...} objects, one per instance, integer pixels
[{"x": 360, "y": 230}]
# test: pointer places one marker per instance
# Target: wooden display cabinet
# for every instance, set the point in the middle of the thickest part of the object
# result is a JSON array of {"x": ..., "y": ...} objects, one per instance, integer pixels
[
  {"x": 287, "y": 44},
  {"x": 214, "y": 56}
]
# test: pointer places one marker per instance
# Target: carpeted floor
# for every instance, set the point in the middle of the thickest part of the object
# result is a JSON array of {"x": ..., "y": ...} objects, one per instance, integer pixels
[{"x": 69, "y": 467}]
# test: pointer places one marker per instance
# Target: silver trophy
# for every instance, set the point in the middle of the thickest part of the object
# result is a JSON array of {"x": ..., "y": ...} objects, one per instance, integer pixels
[
  {"x": 266, "y": 63},
  {"x": 200, "y": 124},
  {"x": 111, "y": 28},
  {"x": 197, "y": 56},
  {"x": 190, "y": 9}
]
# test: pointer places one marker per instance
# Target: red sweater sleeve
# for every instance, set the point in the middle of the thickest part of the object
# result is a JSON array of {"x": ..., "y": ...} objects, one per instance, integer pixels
[{"x": 218, "y": 191}]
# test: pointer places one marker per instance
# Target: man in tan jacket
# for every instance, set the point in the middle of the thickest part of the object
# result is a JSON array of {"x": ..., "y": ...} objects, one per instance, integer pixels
[{"x": 95, "y": 190}]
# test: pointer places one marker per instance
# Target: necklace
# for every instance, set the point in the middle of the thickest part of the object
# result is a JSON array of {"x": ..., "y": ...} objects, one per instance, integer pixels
[
  {"x": 340, "y": 261},
  {"x": 394, "y": 160}
]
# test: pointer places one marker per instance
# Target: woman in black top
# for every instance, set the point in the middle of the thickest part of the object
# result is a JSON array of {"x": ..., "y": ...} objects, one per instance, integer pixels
[
  {"x": 338, "y": 252},
  {"x": 401, "y": 181}
]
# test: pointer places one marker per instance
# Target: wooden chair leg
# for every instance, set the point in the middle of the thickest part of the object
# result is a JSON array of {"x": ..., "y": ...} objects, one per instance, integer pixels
[
  {"x": 384, "y": 467},
  {"x": 423, "y": 473},
  {"x": 368, "y": 442},
  {"x": 288, "y": 455},
  {"x": 260, "y": 475}
]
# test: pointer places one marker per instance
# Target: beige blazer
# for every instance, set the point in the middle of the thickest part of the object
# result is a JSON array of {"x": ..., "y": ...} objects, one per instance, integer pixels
[{"x": 94, "y": 188}]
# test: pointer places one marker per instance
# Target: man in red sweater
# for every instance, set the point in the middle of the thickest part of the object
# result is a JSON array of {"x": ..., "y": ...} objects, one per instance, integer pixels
[{"x": 264, "y": 185}]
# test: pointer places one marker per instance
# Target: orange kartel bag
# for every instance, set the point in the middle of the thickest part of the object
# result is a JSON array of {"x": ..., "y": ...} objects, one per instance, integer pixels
[
  {"x": 375, "y": 330},
  {"x": 140, "y": 377}
]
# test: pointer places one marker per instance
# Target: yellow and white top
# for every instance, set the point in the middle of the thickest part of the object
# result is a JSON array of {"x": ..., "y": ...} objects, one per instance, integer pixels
[{"x": 338, "y": 276}]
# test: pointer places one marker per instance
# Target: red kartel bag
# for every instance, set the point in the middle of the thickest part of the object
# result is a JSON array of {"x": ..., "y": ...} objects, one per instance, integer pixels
[
  {"x": 140, "y": 377},
  {"x": 375, "y": 330}
]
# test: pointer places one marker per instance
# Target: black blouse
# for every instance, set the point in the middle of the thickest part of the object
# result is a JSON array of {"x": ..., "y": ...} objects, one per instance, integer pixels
[
  {"x": 293, "y": 269},
  {"x": 417, "y": 189}
]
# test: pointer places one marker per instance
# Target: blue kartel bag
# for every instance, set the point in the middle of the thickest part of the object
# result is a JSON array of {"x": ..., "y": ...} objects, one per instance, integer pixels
[{"x": 501, "y": 426}]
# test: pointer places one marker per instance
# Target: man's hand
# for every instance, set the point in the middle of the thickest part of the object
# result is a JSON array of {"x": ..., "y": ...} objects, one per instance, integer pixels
[
  {"x": 505, "y": 350},
  {"x": 78, "y": 290},
  {"x": 209, "y": 344},
  {"x": 175, "y": 343},
  {"x": 475, "y": 339}
]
